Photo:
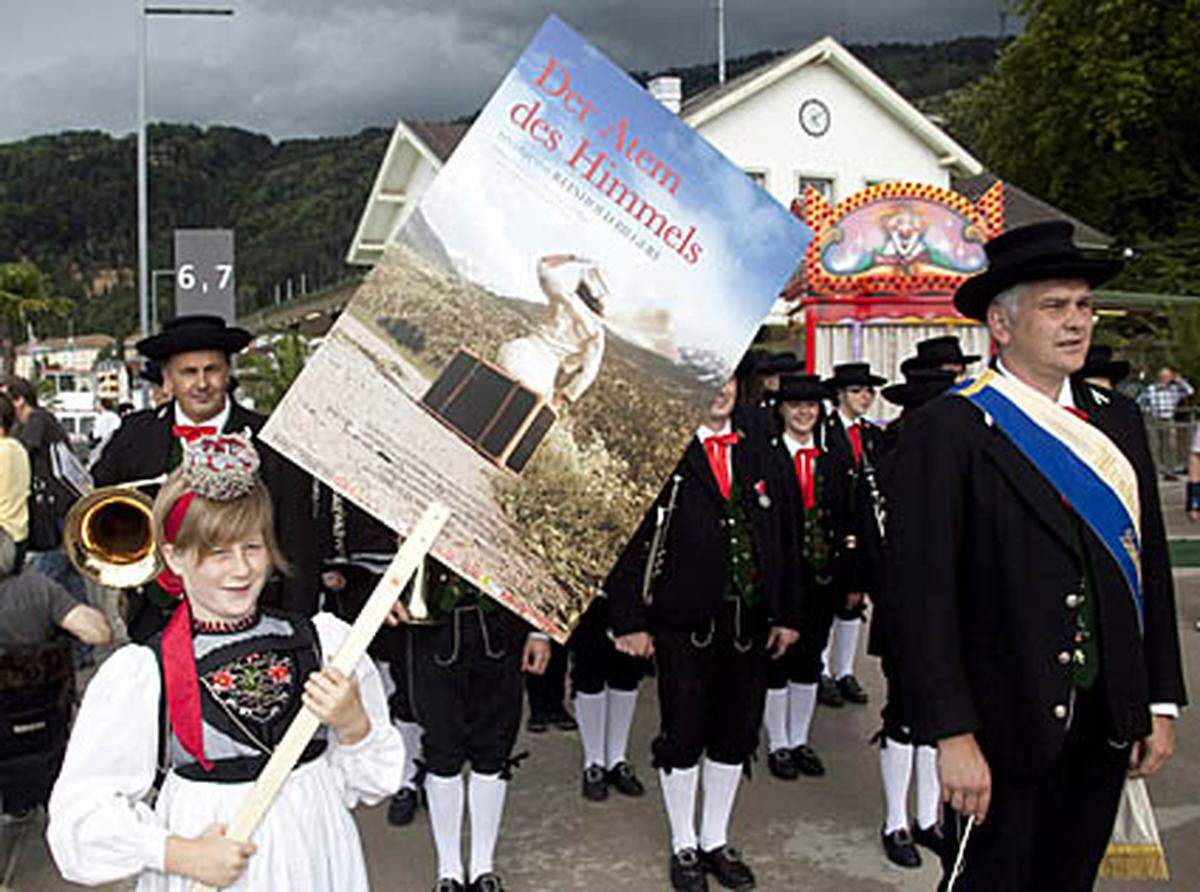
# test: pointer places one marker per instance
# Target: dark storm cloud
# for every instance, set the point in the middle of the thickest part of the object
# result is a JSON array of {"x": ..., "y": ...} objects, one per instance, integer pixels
[{"x": 292, "y": 67}]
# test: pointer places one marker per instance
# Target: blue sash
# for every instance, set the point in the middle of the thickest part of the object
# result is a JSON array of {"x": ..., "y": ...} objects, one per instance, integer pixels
[{"x": 1086, "y": 468}]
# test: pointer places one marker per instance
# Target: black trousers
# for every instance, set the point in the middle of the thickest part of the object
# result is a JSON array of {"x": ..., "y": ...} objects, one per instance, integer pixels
[
  {"x": 802, "y": 662},
  {"x": 896, "y": 709},
  {"x": 712, "y": 687},
  {"x": 597, "y": 663},
  {"x": 466, "y": 694},
  {"x": 1048, "y": 834}
]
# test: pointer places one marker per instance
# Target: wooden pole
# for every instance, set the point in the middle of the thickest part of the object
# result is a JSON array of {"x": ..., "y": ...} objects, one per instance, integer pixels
[{"x": 279, "y": 767}]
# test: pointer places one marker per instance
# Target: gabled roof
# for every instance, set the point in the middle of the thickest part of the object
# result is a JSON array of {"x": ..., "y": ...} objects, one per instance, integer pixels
[
  {"x": 717, "y": 100},
  {"x": 1020, "y": 208},
  {"x": 413, "y": 144}
]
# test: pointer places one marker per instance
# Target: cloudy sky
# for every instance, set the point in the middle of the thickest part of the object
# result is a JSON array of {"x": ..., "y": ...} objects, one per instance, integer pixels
[{"x": 315, "y": 67}]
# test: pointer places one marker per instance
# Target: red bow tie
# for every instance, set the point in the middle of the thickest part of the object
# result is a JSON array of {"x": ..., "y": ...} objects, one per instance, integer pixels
[
  {"x": 717, "y": 450},
  {"x": 805, "y": 458},
  {"x": 854, "y": 431},
  {"x": 193, "y": 432}
]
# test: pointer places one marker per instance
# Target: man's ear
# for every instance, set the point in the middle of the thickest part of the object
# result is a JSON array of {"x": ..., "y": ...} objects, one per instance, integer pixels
[
  {"x": 173, "y": 557},
  {"x": 998, "y": 323}
]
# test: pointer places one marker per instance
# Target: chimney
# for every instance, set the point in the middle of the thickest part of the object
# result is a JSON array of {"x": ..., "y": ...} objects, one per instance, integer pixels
[{"x": 668, "y": 90}]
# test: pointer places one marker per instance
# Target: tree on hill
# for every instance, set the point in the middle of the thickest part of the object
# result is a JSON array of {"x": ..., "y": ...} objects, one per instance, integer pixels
[{"x": 25, "y": 295}]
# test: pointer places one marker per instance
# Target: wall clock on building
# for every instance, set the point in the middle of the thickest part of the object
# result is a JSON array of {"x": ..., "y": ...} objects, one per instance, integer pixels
[{"x": 814, "y": 117}]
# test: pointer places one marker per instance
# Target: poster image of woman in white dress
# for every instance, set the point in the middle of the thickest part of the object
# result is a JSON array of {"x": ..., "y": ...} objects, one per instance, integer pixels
[{"x": 562, "y": 357}]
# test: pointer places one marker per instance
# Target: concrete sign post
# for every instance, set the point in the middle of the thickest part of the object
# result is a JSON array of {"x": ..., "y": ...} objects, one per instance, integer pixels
[{"x": 204, "y": 273}]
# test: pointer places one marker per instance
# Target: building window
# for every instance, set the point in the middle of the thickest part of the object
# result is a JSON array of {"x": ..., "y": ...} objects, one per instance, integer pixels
[
  {"x": 824, "y": 185},
  {"x": 759, "y": 177}
]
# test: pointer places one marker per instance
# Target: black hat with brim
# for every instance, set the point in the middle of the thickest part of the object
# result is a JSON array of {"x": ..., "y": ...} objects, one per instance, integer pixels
[
  {"x": 186, "y": 333},
  {"x": 853, "y": 374},
  {"x": 152, "y": 371},
  {"x": 1100, "y": 364},
  {"x": 920, "y": 386},
  {"x": 801, "y": 389},
  {"x": 784, "y": 363},
  {"x": 1034, "y": 253},
  {"x": 939, "y": 351}
]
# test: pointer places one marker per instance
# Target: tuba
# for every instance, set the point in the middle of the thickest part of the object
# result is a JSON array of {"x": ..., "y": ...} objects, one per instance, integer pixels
[{"x": 109, "y": 536}]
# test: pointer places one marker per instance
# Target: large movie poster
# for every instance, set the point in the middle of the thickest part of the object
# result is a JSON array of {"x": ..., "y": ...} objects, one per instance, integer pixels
[{"x": 546, "y": 332}]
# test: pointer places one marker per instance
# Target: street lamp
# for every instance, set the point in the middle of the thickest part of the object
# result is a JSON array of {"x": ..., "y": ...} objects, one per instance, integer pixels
[{"x": 143, "y": 193}]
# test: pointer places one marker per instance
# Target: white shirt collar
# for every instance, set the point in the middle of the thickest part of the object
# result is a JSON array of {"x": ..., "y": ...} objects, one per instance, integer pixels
[
  {"x": 846, "y": 421},
  {"x": 218, "y": 421},
  {"x": 1065, "y": 396},
  {"x": 793, "y": 445},
  {"x": 703, "y": 433}
]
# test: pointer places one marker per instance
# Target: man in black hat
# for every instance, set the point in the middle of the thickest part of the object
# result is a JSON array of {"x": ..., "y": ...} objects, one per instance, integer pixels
[
  {"x": 903, "y": 758},
  {"x": 854, "y": 441},
  {"x": 759, "y": 374},
  {"x": 1101, "y": 369},
  {"x": 942, "y": 353},
  {"x": 1037, "y": 640},
  {"x": 817, "y": 487},
  {"x": 708, "y": 596},
  {"x": 194, "y": 352}
]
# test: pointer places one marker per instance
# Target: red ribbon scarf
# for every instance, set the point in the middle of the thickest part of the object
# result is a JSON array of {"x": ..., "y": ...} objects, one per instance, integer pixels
[
  {"x": 805, "y": 460},
  {"x": 717, "y": 450}
]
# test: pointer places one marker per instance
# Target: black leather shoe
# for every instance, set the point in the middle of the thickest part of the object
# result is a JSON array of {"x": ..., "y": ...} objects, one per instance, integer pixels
[
  {"x": 780, "y": 764},
  {"x": 851, "y": 690},
  {"x": 595, "y": 784},
  {"x": 899, "y": 848},
  {"x": 828, "y": 693},
  {"x": 728, "y": 868},
  {"x": 622, "y": 779},
  {"x": 686, "y": 873},
  {"x": 562, "y": 720},
  {"x": 537, "y": 724},
  {"x": 403, "y": 808},
  {"x": 807, "y": 761},
  {"x": 447, "y": 885},
  {"x": 930, "y": 837},
  {"x": 486, "y": 882}
]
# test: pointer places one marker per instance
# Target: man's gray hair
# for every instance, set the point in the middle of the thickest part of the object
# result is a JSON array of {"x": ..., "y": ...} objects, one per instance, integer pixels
[{"x": 1008, "y": 298}]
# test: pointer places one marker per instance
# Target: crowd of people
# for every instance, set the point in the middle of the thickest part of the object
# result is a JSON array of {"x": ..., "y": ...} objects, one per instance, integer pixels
[{"x": 1003, "y": 535}]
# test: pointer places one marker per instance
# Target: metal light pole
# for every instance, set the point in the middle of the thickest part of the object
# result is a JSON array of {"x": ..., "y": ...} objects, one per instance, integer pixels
[
  {"x": 720, "y": 41},
  {"x": 143, "y": 200}
]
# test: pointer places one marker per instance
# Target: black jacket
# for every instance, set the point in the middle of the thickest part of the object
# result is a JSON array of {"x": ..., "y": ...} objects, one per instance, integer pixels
[
  {"x": 140, "y": 449},
  {"x": 866, "y": 490},
  {"x": 690, "y": 588},
  {"x": 983, "y": 556}
]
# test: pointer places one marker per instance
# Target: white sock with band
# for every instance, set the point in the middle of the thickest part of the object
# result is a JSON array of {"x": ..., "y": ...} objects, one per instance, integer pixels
[
  {"x": 590, "y": 714},
  {"x": 775, "y": 719},
  {"x": 679, "y": 797},
  {"x": 845, "y": 646},
  {"x": 445, "y": 820},
  {"x": 486, "y": 794},
  {"x": 895, "y": 768},
  {"x": 720, "y": 789},
  {"x": 929, "y": 788},
  {"x": 621, "y": 706},
  {"x": 802, "y": 702}
]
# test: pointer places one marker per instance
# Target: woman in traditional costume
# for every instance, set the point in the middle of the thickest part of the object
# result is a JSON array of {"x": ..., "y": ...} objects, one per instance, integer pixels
[{"x": 200, "y": 707}]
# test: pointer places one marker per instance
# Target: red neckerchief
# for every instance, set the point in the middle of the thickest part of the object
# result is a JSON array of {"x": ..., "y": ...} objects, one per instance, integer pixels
[
  {"x": 717, "y": 450},
  {"x": 854, "y": 431},
  {"x": 192, "y": 432},
  {"x": 805, "y": 459},
  {"x": 181, "y": 684}
]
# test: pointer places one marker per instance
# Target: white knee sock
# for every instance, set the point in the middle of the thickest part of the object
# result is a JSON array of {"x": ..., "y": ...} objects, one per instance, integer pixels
[
  {"x": 827, "y": 656},
  {"x": 895, "y": 767},
  {"x": 486, "y": 796},
  {"x": 445, "y": 819},
  {"x": 802, "y": 701},
  {"x": 679, "y": 796},
  {"x": 720, "y": 789},
  {"x": 590, "y": 711},
  {"x": 775, "y": 719},
  {"x": 929, "y": 790},
  {"x": 410, "y": 733},
  {"x": 845, "y": 646},
  {"x": 621, "y": 705}
]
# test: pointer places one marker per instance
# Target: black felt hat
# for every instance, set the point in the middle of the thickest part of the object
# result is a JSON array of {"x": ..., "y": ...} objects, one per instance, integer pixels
[
  {"x": 185, "y": 333},
  {"x": 1030, "y": 253},
  {"x": 853, "y": 374},
  {"x": 784, "y": 363},
  {"x": 935, "y": 352},
  {"x": 919, "y": 387},
  {"x": 801, "y": 389},
  {"x": 1100, "y": 364},
  {"x": 152, "y": 371}
]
